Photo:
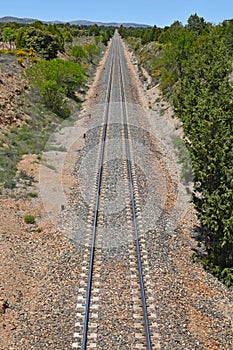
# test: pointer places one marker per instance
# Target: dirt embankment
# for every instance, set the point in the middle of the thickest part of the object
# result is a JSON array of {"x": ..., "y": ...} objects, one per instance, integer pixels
[{"x": 12, "y": 90}]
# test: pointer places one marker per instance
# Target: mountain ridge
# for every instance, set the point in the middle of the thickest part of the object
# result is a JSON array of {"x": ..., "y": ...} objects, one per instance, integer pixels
[{"x": 6, "y": 19}]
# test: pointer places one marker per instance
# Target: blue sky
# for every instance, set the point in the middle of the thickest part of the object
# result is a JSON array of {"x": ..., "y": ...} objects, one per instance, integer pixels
[{"x": 160, "y": 13}]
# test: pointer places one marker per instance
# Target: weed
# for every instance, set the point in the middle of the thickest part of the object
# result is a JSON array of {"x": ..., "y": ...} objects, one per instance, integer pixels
[
  {"x": 24, "y": 176},
  {"x": 32, "y": 195},
  {"x": 9, "y": 183},
  {"x": 20, "y": 61},
  {"x": 29, "y": 219},
  {"x": 21, "y": 53}
]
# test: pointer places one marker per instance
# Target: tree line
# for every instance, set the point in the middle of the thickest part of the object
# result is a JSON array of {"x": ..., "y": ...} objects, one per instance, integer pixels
[
  {"x": 193, "y": 65},
  {"x": 39, "y": 48},
  {"x": 49, "y": 39}
]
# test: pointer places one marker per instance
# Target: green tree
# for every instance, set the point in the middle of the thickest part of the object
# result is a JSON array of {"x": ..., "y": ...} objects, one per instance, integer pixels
[
  {"x": 42, "y": 41},
  {"x": 19, "y": 40},
  {"x": 203, "y": 101},
  {"x": 168, "y": 33},
  {"x": 104, "y": 37},
  {"x": 55, "y": 80},
  {"x": 8, "y": 34},
  {"x": 57, "y": 33},
  {"x": 227, "y": 31},
  {"x": 94, "y": 30},
  {"x": 146, "y": 37},
  {"x": 78, "y": 53},
  {"x": 97, "y": 39},
  {"x": 196, "y": 24},
  {"x": 174, "y": 56},
  {"x": 67, "y": 37},
  {"x": 92, "y": 51}
]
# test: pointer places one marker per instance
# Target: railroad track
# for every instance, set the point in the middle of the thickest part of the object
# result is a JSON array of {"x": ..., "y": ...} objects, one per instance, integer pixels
[{"x": 109, "y": 316}]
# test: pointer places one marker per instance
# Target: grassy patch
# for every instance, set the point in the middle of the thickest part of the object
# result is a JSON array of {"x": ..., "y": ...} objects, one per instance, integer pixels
[
  {"x": 31, "y": 138},
  {"x": 32, "y": 195},
  {"x": 29, "y": 219}
]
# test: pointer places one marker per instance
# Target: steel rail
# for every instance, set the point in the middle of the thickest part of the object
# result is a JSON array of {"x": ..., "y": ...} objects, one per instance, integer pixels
[
  {"x": 97, "y": 198},
  {"x": 128, "y": 154},
  {"x": 91, "y": 264}
]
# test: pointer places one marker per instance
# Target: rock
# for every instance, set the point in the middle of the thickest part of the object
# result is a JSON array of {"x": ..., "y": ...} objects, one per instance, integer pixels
[{"x": 3, "y": 305}]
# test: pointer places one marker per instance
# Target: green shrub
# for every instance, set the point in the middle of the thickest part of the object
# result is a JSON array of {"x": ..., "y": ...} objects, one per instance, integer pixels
[
  {"x": 29, "y": 219},
  {"x": 78, "y": 53},
  {"x": 32, "y": 195},
  {"x": 9, "y": 183},
  {"x": 92, "y": 51},
  {"x": 41, "y": 40},
  {"x": 56, "y": 80}
]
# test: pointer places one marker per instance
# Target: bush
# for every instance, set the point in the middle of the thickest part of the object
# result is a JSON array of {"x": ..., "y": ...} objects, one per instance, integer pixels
[
  {"x": 78, "y": 53},
  {"x": 20, "y": 61},
  {"x": 32, "y": 195},
  {"x": 29, "y": 219},
  {"x": 43, "y": 42},
  {"x": 56, "y": 80},
  {"x": 21, "y": 53},
  {"x": 9, "y": 183},
  {"x": 92, "y": 51}
]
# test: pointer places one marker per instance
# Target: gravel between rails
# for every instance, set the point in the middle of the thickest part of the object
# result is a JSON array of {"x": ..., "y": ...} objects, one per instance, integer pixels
[{"x": 112, "y": 306}]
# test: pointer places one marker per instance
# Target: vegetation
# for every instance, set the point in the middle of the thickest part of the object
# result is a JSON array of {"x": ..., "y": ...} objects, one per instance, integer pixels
[
  {"x": 202, "y": 98},
  {"x": 31, "y": 138},
  {"x": 43, "y": 42},
  {"x": 92, "y": 50},
  {"x": 50, "y": 40},
  {"x": 32, "y": 195},
  {"x": 55, "y": 80},
  {"x": 183, "y": 155},
  {"x": 78, "y": 53},
  {"x": 52, "y": 82},
  {"x": 8, "y": 34},
  {"x": 193, "y": 64},
  {"x": 29, "y": 219}
]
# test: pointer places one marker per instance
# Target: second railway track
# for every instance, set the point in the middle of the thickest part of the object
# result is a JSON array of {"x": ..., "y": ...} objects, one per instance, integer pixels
[{"x": 113, "y": 310}]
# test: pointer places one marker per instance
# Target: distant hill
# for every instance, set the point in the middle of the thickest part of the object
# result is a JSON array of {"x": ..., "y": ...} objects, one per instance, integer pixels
[
  {"x": 77, "y": 22},
  {"x": 112, "y": 24},
  {"x": 17, "y": 20}
]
